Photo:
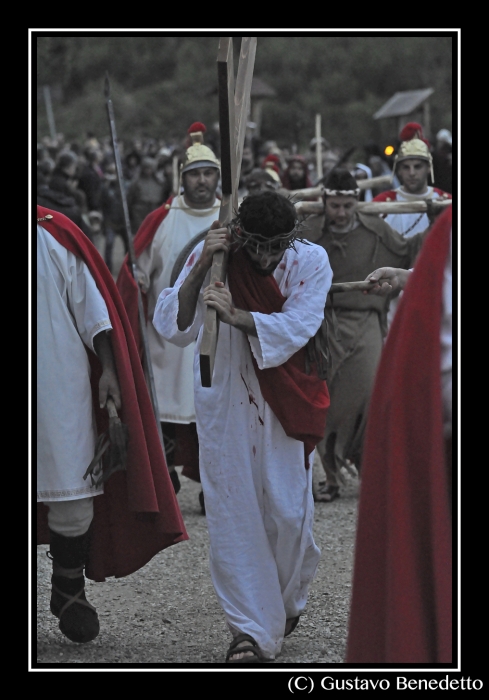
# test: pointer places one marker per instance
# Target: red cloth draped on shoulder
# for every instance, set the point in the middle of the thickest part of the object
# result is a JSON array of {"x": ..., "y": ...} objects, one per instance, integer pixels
[
  {"x": 401, "y": 608},
  {"x": 138, "y": 514},
  {"x": 125, "y": 281},
  {"x": 299, "y": 400}
]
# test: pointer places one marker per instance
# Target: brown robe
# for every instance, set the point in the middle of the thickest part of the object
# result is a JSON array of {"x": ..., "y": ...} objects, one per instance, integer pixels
[{"x": 356, "y": 330}]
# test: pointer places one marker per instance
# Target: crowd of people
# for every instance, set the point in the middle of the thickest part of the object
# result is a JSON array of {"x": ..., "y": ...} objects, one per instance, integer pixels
[
  {"x": 295, "y": 368},
  {"x": 77, "y": 177}
]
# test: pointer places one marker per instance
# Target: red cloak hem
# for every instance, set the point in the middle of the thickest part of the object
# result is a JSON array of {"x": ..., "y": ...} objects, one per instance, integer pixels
[{"x": 401, "y": 609}]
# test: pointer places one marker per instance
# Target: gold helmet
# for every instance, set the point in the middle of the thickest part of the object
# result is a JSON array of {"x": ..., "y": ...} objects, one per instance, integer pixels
[
  {"x": 414, "y": 148},
  {"x": 197, "y": 155}
]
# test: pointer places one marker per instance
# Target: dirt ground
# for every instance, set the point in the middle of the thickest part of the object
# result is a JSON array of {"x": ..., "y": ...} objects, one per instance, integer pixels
[{"x": 167, "y": 612}]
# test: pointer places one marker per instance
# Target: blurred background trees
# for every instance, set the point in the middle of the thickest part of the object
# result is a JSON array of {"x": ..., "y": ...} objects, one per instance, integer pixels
[{"x": 161, "y": 84}]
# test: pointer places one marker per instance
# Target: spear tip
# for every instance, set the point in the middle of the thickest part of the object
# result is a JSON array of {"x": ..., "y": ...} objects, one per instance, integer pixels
[{"x": 107, "y": 86}]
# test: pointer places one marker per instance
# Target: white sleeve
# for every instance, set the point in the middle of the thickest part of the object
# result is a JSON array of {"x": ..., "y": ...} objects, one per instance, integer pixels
[
  {"x": 282, "y": 334},
  {"x": 148, "y": 262},
  {"x": 167, "y": 305},
  {"x": 86, "y": 303}
]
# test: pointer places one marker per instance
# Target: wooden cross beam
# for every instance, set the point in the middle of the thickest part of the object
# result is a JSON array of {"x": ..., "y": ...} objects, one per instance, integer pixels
[
  {"x": 233, "y": 114},
  {"x": 414, "y": 207},
  {"x": 361, "y": 184}
]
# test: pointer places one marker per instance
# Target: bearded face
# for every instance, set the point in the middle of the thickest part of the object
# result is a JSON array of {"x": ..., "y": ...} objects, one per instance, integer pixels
[
  {"x": 264, "y": 262},
  {"x": 297, "y": 174}
]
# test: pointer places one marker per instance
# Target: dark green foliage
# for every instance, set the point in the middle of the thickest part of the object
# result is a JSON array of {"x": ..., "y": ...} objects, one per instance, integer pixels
[{"x": 161, "y": 84}]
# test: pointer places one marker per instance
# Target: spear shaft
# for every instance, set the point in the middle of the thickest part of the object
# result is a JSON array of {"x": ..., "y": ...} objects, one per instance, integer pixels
[{"x": 148, "y": 368}]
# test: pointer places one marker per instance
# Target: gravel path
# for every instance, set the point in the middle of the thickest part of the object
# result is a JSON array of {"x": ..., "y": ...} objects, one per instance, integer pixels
[{"x": 167, "y": 612}]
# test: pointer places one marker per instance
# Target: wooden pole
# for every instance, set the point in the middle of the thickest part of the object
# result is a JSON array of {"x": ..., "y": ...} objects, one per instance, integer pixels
[
  {"x": 427, "y": 118},
  {"x": 242, "y": 103},
  {"x": 225, "y": 78},
  {"x": 350, "y": 287},
  {"x": 49, "y": 112},
  {"x": 233, "y": 111},
  {"x": 175, "y": 177},
  {"x": 319, "y": 149},
  {"x": 148, "y": 367}
]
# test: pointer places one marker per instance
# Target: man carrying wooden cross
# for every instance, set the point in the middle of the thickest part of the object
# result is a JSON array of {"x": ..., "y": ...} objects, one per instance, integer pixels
[
  {"x": 262, "y": 416},
  {"x": 356, "y": 244}
]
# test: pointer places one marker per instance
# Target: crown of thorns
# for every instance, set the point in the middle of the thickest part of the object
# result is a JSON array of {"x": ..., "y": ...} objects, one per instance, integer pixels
[
  {"x": 333, "y": 193},
  {"x": 243, "y": 238}
]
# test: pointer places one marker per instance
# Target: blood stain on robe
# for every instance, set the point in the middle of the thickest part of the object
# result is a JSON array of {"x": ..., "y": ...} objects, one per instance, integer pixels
[
  {"x": 251, "y": 398},
  {"x": 254, "y": 451},
  {"x": 191, "y": 260}
]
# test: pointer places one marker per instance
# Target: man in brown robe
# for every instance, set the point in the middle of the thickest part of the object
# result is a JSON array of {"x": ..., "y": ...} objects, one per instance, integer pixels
[{"x": 356, "y": 244}]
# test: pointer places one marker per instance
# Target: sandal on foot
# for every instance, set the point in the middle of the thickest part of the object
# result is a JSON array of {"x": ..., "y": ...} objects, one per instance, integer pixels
[
  {"x": 252, "y": 646},
  {"x": 294, "y": 621},
  {"x": 327, "y": 494}
]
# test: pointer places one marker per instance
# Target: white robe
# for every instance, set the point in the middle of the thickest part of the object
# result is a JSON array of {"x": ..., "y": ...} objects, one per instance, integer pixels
[
  {"x": 408, "y": 225},
  {"x": 258, "y": 493},
  {"x": 403, "y": 222},
  {"x": 172, "y": 366},
  {"x": 70, "y": 312}
]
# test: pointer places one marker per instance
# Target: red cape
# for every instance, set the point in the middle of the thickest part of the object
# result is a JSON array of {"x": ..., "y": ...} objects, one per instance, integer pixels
[
  {"x": 187, "y": 444},
  {"x": 138, "y": 514},
  {"x": 299, "y": 400},
  {"x": 401, "y": 609}
]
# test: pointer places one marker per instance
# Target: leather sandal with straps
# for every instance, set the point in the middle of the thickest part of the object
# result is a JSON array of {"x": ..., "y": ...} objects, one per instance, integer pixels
[{"x": 252, "y": 647}]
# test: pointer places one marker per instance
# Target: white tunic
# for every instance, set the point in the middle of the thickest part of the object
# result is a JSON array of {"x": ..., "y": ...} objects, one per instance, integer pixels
[
  {"x": 410, "y": 224},
  {"x": 70, "y": 312},
  {"x": 172, "y": 366},
  {"x": 257, "y": 491}
]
